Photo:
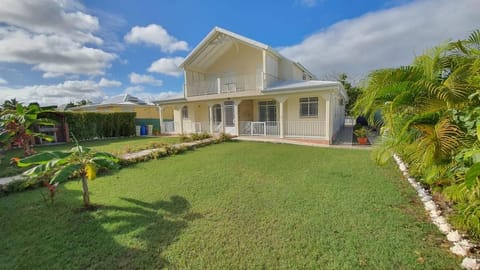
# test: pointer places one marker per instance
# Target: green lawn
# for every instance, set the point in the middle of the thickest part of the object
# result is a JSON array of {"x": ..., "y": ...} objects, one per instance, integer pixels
[
  {"x": 115, "y": 146},
  {"x": 235, "y": 205}
]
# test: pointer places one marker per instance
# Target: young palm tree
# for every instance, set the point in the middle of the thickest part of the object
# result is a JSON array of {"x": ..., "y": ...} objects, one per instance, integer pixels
[{"x": 78, "y": 161}]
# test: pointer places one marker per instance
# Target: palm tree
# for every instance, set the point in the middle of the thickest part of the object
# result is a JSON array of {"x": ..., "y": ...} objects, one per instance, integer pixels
[
  {"x": 431, "y": 117},
  {"x": 61, "y": 165},
  {"x": 10, "y": 104}
]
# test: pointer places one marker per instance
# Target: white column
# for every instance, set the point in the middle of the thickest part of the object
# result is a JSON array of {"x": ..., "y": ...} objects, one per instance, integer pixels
[
  {"x": 222, "y": 107},
  {"x": 327, "y": 118},
  {"x": 281, "y": 101},
  {"x": 181, "y": 119},
  {"x": 160, "y": 118},
  {"x": 210, "y": 117},
  {"x": 236, "y": 103}
]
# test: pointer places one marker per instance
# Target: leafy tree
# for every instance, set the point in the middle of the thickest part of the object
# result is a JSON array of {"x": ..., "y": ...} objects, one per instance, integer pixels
[
  {"x": 352, "y": 91},
  {"x": 17, "y": 126},
  {"x": 61, "y": 165},
  {"x": 431, "y": 118},
  {"x": 10, "y": 104}
]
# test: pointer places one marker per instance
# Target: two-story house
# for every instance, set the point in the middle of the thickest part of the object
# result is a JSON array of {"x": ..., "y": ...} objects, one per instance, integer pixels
[{"x": 243, "y": 87}]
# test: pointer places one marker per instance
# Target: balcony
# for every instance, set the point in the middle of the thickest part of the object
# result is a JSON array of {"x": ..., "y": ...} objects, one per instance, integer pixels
[{"x": 228, "y": 84}]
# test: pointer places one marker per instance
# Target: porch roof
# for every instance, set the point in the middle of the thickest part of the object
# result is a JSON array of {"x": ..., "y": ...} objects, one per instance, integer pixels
[{"x": 301, "y": 86}]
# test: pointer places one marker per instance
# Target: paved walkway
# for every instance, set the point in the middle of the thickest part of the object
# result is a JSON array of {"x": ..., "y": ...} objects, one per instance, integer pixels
[
  {"x": 6, "y": 180},
  {"x": 147, "y": 152},
  {"x": 345, "y": 136}
]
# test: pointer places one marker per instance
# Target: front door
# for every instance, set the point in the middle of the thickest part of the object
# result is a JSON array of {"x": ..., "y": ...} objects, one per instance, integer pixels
[
  {"x": 229, "y": 117},
  {"x": 217, "y": 118}
]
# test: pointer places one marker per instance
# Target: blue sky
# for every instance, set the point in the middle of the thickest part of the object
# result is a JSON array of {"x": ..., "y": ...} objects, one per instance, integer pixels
[{"x": 56, "y": 51}]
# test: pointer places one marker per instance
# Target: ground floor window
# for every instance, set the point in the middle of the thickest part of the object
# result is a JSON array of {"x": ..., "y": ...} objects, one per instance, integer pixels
[
  {"x": 267, "y": 111},
  {"x": 309, "y": 107}
]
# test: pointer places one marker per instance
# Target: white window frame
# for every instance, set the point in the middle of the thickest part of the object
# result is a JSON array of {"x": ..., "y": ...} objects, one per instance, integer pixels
[{"x": 310, "y": 102}]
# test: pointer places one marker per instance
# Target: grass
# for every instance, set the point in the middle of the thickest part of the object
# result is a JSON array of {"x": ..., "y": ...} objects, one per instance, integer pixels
[
  {"x": 236, "y": 205},
  {"x": 115, "y": 146}
]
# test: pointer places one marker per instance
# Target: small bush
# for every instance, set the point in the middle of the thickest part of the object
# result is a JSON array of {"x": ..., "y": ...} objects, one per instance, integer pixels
[
  {"x": 185, "y": 138},
  {"x": 225, "y": 137}
]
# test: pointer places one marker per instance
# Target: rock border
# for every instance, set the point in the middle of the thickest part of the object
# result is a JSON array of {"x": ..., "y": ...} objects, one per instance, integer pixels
[{"x": 460, "y": 245}]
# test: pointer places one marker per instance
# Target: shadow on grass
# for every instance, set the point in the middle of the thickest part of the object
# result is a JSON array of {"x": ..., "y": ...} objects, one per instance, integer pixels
[
  {"x": 132, "y": 234},
  {"x": 151, "y": 226}
]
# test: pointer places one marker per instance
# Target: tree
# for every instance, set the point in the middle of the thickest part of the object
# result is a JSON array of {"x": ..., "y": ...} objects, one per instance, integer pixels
[
  {"x": 352, "y": 91},
  {"x": 10, "y": 104},
  {"x": 61, "y": 165},
  {"x": 17, "y": 126},
  {"x": 431, "y": 118}
]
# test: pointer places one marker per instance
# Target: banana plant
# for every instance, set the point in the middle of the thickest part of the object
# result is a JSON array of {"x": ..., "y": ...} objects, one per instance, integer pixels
[
  {"x": 62, "y": 165},
  {"x": 17, "y": 126}
]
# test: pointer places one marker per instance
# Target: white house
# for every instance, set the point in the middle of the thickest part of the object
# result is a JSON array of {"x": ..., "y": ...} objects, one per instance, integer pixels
[{"x": 243, "y": 87}]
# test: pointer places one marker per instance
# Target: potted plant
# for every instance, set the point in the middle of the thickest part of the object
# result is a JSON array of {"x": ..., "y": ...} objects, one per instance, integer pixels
[{"x": 361, "y": 134}]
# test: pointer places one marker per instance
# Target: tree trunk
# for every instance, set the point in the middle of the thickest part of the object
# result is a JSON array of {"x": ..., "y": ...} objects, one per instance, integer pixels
[{"x": 86, "y": 195}]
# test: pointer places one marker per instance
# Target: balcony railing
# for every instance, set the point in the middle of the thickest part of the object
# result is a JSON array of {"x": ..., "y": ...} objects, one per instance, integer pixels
[{"x": 229, "y": 84}]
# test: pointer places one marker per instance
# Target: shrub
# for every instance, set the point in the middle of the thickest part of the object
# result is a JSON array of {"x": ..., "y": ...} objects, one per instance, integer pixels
[
  {"x": 225, "y": 137},
  {"x": 90, "y": 125}
]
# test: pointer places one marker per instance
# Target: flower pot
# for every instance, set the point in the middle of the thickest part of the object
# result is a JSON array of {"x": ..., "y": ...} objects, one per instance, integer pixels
[{"x": 362, "y": 140}]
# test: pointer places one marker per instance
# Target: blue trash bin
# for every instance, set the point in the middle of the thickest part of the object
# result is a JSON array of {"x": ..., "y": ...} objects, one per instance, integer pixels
[{"x": 143, "y": 130}]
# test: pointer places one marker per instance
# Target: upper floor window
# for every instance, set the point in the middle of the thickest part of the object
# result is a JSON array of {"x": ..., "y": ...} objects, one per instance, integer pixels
[
  {"x": 185, "y": 112},
  {"x": 309, "y": 107}
]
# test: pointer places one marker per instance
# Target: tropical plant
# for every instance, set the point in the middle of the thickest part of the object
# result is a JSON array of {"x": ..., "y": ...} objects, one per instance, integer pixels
[
  {"x": 17, "y": 126},
  {"x": 431, "y": 118},
  {"x": 10, "y": 104},
  {"x": 61, "y": 165},
  {"x": 361, "y": 132}
]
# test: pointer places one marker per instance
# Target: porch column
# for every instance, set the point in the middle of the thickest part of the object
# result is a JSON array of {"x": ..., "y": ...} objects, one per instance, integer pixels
[
  {"x": 160, "y": 118},
  {"x": 210, "y": 116},
  {"x": 327, "y": 117},
  {"x": 281, "y": 101},
  {"x": 222, "y": 108},
  {"x": 179, "y": 108},
  {"x": 236, "y": 103}
]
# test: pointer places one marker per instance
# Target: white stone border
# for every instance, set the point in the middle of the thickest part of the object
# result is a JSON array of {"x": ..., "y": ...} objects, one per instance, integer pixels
[{"x": 460, "y": 244}]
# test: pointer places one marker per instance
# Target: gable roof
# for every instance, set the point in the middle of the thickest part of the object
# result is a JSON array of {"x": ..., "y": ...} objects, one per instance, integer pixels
[{"x": 215, "y": 42}]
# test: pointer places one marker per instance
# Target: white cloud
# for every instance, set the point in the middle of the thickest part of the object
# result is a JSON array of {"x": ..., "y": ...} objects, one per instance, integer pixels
[
  {"x": 50, "y": 17},
  {"x": 3, "y": 81},
  {"x": 168, "y": 66},
  {"x": 52, "y": 36},
  {"x": 134, "y": 90},
  {"x": 55, "y": 94},
  {"x": 154, "y": 34},
  {"x": 136, "y": 78},
  {"x": 109, "y": 83},
  {"x": 386, "y": 38}
]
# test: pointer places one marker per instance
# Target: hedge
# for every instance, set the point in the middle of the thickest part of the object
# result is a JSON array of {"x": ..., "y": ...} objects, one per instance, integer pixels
[{"x": 91, "y": 125}]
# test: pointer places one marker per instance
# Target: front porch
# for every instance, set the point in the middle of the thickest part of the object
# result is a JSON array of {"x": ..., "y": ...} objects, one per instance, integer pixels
[{"x": 276, "y": 117}]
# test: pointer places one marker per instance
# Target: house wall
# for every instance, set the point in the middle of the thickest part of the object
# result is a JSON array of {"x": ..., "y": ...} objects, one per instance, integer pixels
[
  {"x": 272, "y": 65},
  {"x": 239, "y": 60},
  {"x": 289, "y": 71},
  {"x": 201, "y": 112},
  {"x": 245, "y": 111},
  {"x": 292, "y": 113}
]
